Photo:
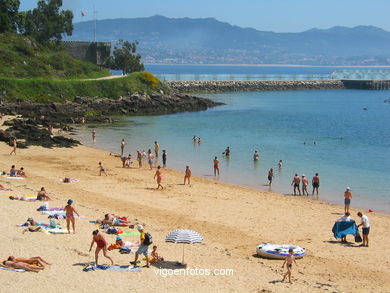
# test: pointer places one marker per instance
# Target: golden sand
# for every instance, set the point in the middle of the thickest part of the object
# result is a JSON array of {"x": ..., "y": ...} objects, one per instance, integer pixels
[{"x": 232, "y": 219}]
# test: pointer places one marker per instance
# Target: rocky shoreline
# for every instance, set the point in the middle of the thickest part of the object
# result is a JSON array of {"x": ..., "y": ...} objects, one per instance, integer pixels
[
  {"x": 214, "y": 86},
  {"x": 36, "y": 118}
]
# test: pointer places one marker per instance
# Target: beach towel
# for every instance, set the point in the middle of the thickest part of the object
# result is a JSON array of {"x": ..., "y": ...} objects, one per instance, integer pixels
[
  {"x": 129, "y": 233},
  {"x": 341, "y": 229},
  {"x": 112, "y": 268},
  {"x": 16, "y": 178},
  {"x": 56, "y": 231},
  {"x": 12, "y": 270},
  {"x": 52, "y": 213},
  {"x": 26, "y": 197}
]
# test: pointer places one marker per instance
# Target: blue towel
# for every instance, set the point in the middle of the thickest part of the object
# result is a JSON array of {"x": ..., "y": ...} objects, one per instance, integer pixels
[{"x": 341, "y": 229}]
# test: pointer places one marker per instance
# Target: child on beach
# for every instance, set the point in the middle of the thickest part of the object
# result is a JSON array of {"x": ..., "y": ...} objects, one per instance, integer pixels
[
  {"x": 70, "y": 216},
  {"x": 101, "y": 169},
  {"x": 155, "y": 257},
  {"x": 289, "y": 261},
  {"x": 159, "y": 177},
  {"x": 187, "y": 175}
]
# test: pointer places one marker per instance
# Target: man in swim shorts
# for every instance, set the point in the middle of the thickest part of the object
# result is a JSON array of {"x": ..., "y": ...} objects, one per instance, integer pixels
[
  {"x": 296, "y": 181},
  {"x": 316, "y": 183},
  {"x": 347, "y": 199},
  {"x": 305, "y": 183},
  {"x": 366, "y": 228}
]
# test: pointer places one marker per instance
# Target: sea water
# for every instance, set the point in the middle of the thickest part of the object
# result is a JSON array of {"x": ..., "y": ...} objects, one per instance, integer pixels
[{"x": 350, "y": 128}]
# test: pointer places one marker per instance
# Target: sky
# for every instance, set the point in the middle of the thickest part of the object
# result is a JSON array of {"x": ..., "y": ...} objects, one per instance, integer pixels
[{"x": 267, "y": 15}]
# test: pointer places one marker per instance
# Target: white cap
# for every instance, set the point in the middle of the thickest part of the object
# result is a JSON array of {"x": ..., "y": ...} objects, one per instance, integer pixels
[
  {"x": 140, "y": 227},
  {"x": 348, "y": 188},
  {"x": 303, "y": 175}
]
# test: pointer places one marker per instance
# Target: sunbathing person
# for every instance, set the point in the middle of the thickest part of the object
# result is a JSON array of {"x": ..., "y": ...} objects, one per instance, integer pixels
[
  {"x": 20, "y": 265},
  {"x": 42, "y": 195},
  {"x": 113, "y": 221},
  {"x": 2, "y": 187},
  {"x": 13, "y": 172},
  {"x": 21, "y": 173},
  {"x": 125, "y": 244},
  {"x": 32, "y": 222},
  {"x": 38, "y": 261}
]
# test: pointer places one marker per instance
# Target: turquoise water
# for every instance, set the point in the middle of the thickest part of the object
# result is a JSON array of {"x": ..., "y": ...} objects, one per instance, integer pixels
[{"x": 352, "y": 145}]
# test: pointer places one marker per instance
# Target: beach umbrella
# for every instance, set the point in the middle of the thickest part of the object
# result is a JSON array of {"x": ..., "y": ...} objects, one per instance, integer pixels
[{"x": 184, "y": 236}]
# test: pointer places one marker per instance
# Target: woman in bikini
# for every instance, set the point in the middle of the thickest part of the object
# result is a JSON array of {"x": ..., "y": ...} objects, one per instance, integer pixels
[
  {"x": 159, "y": 177},
  {"x": 38, "y": 261},
  {"x": 20, "y": 266},
  {"x": 187, "y": 175},
  {"x": 101, "y": 244},
  {"x": 70, "y": 216}
]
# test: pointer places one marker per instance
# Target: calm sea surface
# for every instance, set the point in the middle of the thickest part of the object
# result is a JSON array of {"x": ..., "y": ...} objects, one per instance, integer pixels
[{"x": 352, "y": 144}]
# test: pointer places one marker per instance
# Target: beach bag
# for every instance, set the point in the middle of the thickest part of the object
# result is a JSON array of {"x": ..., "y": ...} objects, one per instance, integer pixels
[
  {"x": 42, "y": 208},
  {"x": 358, "y": 238},
  {"x": 148, "y": 239},
  {"x": 124, "y": 250},
  {"x": 112, "y": 230}
]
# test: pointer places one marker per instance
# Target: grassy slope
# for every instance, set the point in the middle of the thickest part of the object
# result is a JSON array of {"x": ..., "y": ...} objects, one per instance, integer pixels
[
  {"x": 29, "y": 71},
  {"x": 45, "y": 90}
]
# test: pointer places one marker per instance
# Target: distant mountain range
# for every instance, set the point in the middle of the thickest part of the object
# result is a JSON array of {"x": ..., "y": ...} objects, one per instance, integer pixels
[{"x": 209, "y": 41}]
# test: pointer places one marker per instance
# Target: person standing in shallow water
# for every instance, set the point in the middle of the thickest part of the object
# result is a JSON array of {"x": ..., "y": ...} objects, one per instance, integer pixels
[
  {"x": 305, "y": 183},
  {"x": 316, "y": 183},
  {"x": 123, "y": 144},
  {"x": 270, "y": 176},
  {"x": 164, "y": 158},
  {"x": 296, "y": 181},
  {"x": 93, "y": 135},
  {"x": 347, "y": 199},
  {"x": 216, "y": 166},
  {"x": 156, "y": 148}
]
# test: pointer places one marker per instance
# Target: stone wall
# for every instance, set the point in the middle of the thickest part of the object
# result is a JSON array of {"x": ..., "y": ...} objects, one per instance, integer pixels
[
  {"x": 209, "y": 86},
  {"x": 92, "y": 52}
]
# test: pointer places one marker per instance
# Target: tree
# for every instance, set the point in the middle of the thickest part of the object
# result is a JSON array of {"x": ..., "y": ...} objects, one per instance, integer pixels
[
  {"x": 125, "y": 57},
  {"x": 47, "y": 22},
  {"x": 9, "y": 15}
]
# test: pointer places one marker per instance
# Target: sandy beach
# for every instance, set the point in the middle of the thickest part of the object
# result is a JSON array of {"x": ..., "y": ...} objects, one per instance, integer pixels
[{"x": 232, "y": 219}]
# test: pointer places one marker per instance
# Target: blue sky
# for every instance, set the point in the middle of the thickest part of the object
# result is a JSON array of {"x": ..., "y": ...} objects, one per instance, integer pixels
[{"x": 271, "y": 15}]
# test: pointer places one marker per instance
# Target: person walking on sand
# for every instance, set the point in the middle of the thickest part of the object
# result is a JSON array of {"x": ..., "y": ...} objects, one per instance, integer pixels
[
  {"x": 70, "y": 211},
  {"x": 164, "y": 158},
  {"x": 216, "y": 166},
  {"x": 150, "y": 159},
  {"x": 296, "y": 181},
  {"x": 366, "y": 228},
  {"x": 156, "y": 148},
  {"x": 101, "y": 244},
  {"x": 270, "y": 176},
  {"x": 289, "y": 261},
  {"x": 139, "y": 158},
  {"x": 123, "y": 144},
  {"x": 93, "y": 136},
  {"x": 14, "y": 145},
  {"x": 316, "y": 183},
  {"x": 158, "y": 174},
  {"x": 347, "y": 199},
  {"x": 145, "y": 241},
  {"x": 101, "y": 169},
  {"x": 187, "y": 175},
  {"x": 305, "y": 183}
]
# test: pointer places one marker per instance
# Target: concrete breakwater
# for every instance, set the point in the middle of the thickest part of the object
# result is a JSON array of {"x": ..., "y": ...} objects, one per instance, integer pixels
[{"x": 212, "y": 86}]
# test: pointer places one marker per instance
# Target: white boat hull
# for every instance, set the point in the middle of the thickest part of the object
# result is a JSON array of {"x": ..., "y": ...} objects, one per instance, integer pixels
[{"x": 279, "y": 251}]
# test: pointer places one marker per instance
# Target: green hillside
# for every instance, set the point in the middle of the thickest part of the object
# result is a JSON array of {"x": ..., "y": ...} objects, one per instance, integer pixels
[
  {"x": 32, "y": 72},
  {"x": 22, "y": 57}
]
